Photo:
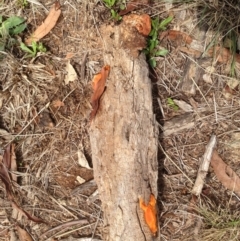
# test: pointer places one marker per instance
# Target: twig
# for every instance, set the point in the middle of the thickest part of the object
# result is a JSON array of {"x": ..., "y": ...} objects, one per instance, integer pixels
[
  {"x": 83, "y": 66},
  {"x": 64, "y": 225},
  {"x": 204, "y": 166}
]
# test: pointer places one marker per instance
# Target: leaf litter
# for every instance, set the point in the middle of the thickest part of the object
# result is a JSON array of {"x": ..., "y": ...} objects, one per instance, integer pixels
[
  {"x": 183, "y": 148},
  {"x": 7, "y": 166}
]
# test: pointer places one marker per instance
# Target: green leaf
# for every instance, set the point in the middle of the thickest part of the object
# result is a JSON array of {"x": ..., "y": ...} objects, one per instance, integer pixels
[
  {"x": 26, "y": 49},
  {"x": 41, "y": 48},
  {"x": 152, "y": 45},
  {"x": 153, "y": 62},
  {"x": 155, "y": 23},
  {"x": 122, "y": 6},
  {"x": 172, "y": 104},
  {"x": 162, "y": 52},
  {"x": 13, "y": 21},
  {"x": 0, "y": 18},
  {"x": 165, "y": 22},
  {"x": 18, "y": 29}
]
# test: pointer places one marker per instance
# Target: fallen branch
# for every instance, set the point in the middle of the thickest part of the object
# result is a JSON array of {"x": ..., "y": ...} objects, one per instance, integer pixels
[{"x": 204, "y": 166}]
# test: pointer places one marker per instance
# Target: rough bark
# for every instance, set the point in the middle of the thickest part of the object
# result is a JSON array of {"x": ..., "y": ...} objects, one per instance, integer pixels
[{"x": 124, "y": 140}]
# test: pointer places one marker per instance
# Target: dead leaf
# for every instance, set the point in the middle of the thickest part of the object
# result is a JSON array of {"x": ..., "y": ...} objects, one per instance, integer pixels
[
  {"x": 71, "y": 73},
  {"x": 57, "y": 104},
  {"x": 80, "y": 180},
  {"x": 132, "y": 6},
  {"x": 150, "y": 213},
  {"x": 69, "y": 56},
  {"x": 82, "y": 161},
  {"x": 230, "y": 88},
  {"x": 225, "y": 174},
  {"x": 47, "y": 25},
  {"x": 221, "y": 54},
  {"x": 23, "y": 235},
  {"x": 183, "y": 105},
  {"x": 176, "y": 36},
  {"x": 98, "y": 85}
]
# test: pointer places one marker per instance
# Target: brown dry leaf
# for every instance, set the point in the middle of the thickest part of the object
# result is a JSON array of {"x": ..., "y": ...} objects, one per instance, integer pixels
[
  {"x": 57, "y": 104},
  {"x": 71, "y": 73},
  {"x": 47, "y": 25},
  {"x": 221, "y": 54},
  {"x": 69, "y": 56},
  {"x": 23, "y": 235},
  {"x": 98, "y": 85},
  {"x": 132, "y": 6},
  {"x": 225, "y": 174},
  {"x": 176, "y": 36}
]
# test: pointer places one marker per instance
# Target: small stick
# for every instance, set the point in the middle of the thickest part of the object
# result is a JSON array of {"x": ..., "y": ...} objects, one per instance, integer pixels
[
  {"x": 83, "y": 66},
  {"x": 204, "y": 166},
  {"x": 64, "y": 225}
]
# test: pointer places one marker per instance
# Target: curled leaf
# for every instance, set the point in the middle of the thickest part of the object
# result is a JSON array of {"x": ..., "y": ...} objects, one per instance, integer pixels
[
  {"x": 225, "y": 174},
  {"x": 47, "y": 25},
  {"x": 98, "y": 85},
  {"x": 150, "y": 213}
]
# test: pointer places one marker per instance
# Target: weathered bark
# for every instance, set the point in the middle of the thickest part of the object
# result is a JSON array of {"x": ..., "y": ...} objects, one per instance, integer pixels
[{"x": 124, "y": 141}]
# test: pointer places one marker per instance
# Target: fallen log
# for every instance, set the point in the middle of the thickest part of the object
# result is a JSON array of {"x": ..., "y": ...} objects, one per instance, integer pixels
[{"x": 124, "y": 137}]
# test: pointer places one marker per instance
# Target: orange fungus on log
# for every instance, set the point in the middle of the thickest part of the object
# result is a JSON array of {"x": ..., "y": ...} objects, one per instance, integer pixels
[{"x": 150, "y": 213}]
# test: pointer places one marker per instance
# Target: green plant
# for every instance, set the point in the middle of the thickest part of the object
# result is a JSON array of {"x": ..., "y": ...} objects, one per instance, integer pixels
[
  {"x": 10, "y": 27},
  {"x": 22, "y": 3},
  {"x": 152, "y": 51},
  {"x": 110, "y": 4},
  {"x": 172, "y": 104},
  {"x": 33, "y": 49}
]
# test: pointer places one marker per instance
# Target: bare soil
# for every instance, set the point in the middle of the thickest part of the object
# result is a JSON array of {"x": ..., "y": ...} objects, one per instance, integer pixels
[{"x": 50, "y": 139}]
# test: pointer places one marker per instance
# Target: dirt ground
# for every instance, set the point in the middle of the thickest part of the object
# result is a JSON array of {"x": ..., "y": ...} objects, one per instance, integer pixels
[{"x": 48, "y": 121}]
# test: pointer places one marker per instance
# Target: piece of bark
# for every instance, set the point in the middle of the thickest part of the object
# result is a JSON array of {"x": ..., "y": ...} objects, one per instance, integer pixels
[
  {"x": 178, "y": 123},
  {"x": 190, "y": 78},
  {"x": 87, "y": 186},
  {"x": 204, "y": 166},
  {"x": 124, "y": 139}
]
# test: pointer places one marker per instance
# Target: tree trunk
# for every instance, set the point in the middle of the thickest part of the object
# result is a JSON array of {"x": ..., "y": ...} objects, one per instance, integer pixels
[{"x": 124, "y": 140}]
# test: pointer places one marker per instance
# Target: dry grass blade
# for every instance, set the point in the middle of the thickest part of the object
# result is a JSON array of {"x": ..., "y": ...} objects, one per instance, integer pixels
[
  {"x": 225, "y": 174},
  {"x": 47, "y": 25},
  {"x": 65, "y": 225}
]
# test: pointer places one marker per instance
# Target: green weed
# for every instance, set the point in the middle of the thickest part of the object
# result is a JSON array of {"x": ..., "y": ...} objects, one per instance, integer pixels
[
  {"x": 33, "y": 49},
  {"x": 172, "y": 104},
  {"x": 152, "y": 51},
  {"x": 22, "y": 3},
  {"x": 111, "y": 4},
  {"x": 8, "y": 29}
]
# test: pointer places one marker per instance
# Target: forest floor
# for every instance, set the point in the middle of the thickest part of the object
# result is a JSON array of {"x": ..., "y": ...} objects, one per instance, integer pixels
[{"x": 45, "y": 107}]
